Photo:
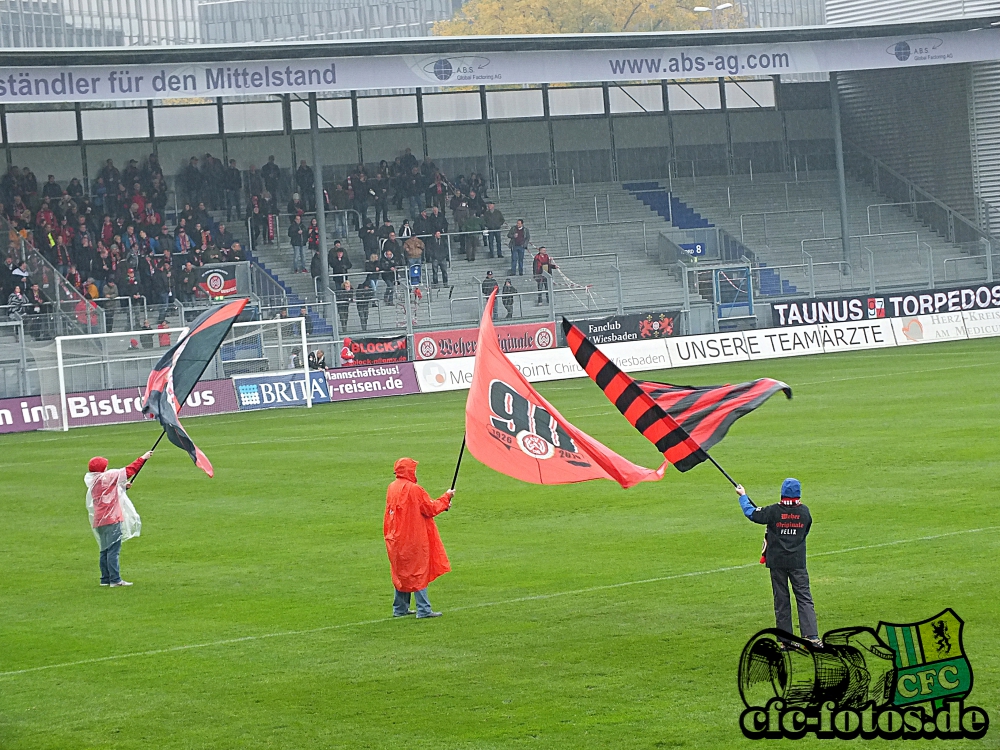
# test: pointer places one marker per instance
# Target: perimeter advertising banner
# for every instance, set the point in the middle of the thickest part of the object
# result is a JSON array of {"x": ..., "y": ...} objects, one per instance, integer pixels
[
  {"x": 371, "y": 381},
  {"x": 377, "y": 350},
  {"x": 279, "y": 389},
  {"x": 900, "y": 304},
  {"x": 633, "y": 327},
  {"x": 116, "y": 406},
  {"x": 461, "y": 342},
  {"x": 73, "y": 83}
]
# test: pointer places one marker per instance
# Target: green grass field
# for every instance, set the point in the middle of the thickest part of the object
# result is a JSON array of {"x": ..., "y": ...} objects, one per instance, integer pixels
[{"x": 575, "y": 616}]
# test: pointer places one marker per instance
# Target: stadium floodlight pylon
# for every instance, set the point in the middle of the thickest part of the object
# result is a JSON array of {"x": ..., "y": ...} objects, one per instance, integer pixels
[{"x": 106, "y": 361}]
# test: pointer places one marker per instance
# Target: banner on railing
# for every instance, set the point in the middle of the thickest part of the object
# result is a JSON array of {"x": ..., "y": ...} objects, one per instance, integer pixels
[
  {"x": 376, "y": 350},
  {"x": 894, "y": 305},
  {"x": 632, "y": 327},
  {"x": 461, "y": 342},
  {"x": 372, "y": 381},
  {"x": 279, "y": 389},
  {"x": 117, "y": 406},
  {"x": 220, "y": 280}
]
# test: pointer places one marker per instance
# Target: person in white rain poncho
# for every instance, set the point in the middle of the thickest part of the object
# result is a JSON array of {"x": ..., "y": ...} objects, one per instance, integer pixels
[{"x": 112, "y": 515}]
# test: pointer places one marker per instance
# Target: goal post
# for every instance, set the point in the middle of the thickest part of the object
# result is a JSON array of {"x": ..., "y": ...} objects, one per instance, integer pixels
[{"x": 113, "y": 361}]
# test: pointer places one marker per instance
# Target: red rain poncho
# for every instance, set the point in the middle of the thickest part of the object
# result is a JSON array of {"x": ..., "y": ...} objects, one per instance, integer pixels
[{"x": 416, "y": 554}]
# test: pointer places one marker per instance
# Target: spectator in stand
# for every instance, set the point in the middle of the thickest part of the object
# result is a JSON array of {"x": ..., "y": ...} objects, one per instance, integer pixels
[
  {"x": 188, "y": 282},
  {"x": 51, "y": 188},
  {"x": 459, "y": 213},
  {"x": 494, "y": 220},
  {"x": 391, "y": 243},
  {"x": 488, "y": 285},
  {"x": 234, "y": 185},
  {"x": 438, "y": 221},
  {"x": 109, "y": 295},
  {"x": 363, "y": 194},
  {"x": 389, "y": 263},
  {"x": 345, "y": 296},
  {"x": 380, "y": 199},
  {"x": 16, "y": 303},
  {"x": 296, "y": 206},
  {"x": 436, "y": 253},
  {"x": 338, "y": 262},
  {"x": 312, "y": 240},
  {"x": 236, "y": 254},
  {"x": 405, "y": 230},
  {"x": 437, "y": 191},
  {"x": 190, "y": 180},
  {"x": 258, "y": 223},
  {"x": 542, "y": 268},
  {"x": 306, "y": 183},
  {"x": 316, "y": 267},
  {"x": 415, "y": 192},
  {"x": 519, "y": 237},
  {"x": 363, "y": 298},
  {"x": 297, "y": 234},
  {"x": 413, "y": 247},
  {"x": 473, "y": 229},
  {"x": 339, "y": 204},
  {"x": 271, "y": 174},
  {"x": 369, "y": 238},
  {"x": 373, "y": 269},
  {"x": 254, "y": 183},
  {"x": 223, "y": 237},
  {"x": 385, "y": 230},
  {"x": 507, "y": 294},
  {"x": 110, "y": 174}
]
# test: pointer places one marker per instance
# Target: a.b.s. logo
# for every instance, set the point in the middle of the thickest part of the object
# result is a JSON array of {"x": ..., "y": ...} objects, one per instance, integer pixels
[{"x": 897, "y": 681}]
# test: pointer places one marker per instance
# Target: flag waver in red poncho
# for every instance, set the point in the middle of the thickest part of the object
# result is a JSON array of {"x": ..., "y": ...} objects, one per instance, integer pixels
[
  {"x": 416, "y": 553},
  {"x": 174, "y": 376},
  {"x": 512, "y": 429}
]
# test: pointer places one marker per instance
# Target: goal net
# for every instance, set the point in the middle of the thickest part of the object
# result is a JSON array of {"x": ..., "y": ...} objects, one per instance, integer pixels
[{"x": 92, "y": 364}]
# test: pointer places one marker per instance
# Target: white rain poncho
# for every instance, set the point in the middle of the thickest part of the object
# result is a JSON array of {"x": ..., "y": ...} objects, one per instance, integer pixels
[{"x": 106, "y": 499}]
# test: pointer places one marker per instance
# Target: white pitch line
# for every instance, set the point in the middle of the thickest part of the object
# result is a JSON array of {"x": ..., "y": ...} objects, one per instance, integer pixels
[{"x": 516, "y": 600}]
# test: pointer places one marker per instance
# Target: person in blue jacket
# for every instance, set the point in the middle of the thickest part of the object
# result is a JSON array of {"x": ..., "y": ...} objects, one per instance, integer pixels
[{"x": 788, "y": 522}]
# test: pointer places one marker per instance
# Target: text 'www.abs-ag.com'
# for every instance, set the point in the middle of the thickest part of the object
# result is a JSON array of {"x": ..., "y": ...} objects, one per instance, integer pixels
[{"x": 683, "y": 63}]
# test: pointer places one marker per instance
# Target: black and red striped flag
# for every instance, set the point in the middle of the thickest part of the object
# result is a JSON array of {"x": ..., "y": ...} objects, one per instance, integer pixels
[
  {"x": 637, "y": 406},
  {"x": 707, "y": 412},
  {"x": 683, "y": 422},
  {"x": 175, "y": 375}
]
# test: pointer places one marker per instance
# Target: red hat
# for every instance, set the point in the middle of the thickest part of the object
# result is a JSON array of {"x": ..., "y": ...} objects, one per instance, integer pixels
[{"x": 97, "y": 464}]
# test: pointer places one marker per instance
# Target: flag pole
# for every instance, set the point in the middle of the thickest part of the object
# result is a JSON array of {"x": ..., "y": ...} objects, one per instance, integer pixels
[
  {"x": 724, "y": 472},
  {"x": 461, "y": 453},
  {"x": 150, "y": 450}
]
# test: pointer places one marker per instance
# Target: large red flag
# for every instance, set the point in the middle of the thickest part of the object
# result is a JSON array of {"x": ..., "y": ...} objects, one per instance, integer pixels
[
  {"x": 513, "y": 430},
  {"x": 175, "y": 375}
]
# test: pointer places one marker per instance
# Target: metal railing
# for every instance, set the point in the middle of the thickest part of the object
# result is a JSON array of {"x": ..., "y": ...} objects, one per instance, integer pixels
[{"x": 765, "y": 214}]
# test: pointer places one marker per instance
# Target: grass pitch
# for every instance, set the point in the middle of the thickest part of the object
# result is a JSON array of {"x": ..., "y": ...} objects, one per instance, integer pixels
[{"x": 575, "y": 616}]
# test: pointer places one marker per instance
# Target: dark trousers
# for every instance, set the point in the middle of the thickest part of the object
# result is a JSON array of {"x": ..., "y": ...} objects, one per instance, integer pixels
[
  {"x": 543, "y": 285},
  {"x": 443, "y": 265},
  {"x": 799, "y": 578},
  {"x": 111, "y": 547},
  {"x": 494, "y": 237}
]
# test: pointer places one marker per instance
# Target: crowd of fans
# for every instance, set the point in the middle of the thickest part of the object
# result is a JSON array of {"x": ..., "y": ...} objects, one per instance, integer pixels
[{"x": 112, "y": 245}]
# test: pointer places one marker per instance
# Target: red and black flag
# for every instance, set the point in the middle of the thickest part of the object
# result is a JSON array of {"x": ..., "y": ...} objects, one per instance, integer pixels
[
  {"x": 637, "y": 406},
  {"x": 681, "y": 421},
  {"x": 175, "y": 375},
  {"x": 707, "y": 412}
]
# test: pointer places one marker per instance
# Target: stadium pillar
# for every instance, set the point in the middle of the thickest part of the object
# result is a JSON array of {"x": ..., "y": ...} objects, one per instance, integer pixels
[
  {"x": 78, "y": 110},
  {"x": 838, "y": 145},
  {"x": 489, "y": 138},
  {"x": 420, "y": 120},
  {"x": 547, "y": 113},
  {"x": 6, "y": 140},
  {"x": 320, "y": 205}
]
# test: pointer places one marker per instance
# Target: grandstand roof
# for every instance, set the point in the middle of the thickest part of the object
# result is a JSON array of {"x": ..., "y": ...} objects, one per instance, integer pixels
[{"x": 477, "y": 44}]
